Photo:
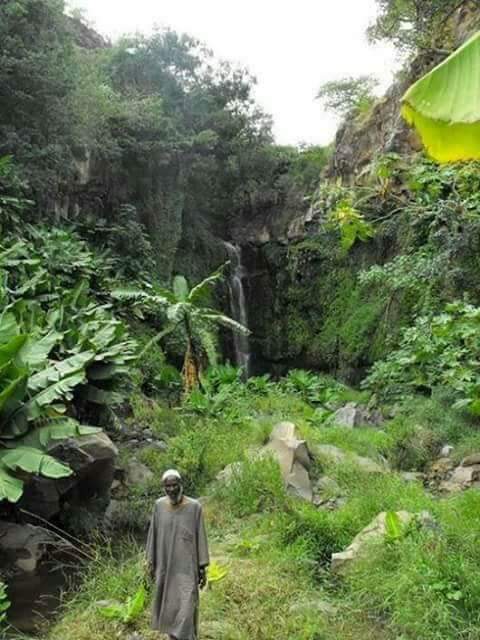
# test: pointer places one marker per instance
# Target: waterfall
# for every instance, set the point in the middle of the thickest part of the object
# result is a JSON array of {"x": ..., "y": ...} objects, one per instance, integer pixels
[{"x": 238, "y": 308}]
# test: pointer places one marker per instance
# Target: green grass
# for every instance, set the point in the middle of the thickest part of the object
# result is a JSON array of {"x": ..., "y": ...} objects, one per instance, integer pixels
[{"x": 277, "y": 549}]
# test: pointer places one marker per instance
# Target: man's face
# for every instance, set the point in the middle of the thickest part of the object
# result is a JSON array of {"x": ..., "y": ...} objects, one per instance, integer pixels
[{"x": 173, "y": 489}]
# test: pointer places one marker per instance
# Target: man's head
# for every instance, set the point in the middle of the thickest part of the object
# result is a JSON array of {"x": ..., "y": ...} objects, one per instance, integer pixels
[{"x": 173, "y": 486}]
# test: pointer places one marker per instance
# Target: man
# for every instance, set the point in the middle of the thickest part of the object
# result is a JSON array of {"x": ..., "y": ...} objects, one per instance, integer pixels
[{"x": 177, "y": 555}]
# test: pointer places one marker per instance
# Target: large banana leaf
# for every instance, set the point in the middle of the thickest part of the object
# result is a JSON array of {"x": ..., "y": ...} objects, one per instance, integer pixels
[
  {"x": 444, "y": 106},
  {"x": 11, "y": 488},
  {"x": 56, "y": 430},
  {"x": 59, "y": 370},
  {"x": 35, "y": 461}
]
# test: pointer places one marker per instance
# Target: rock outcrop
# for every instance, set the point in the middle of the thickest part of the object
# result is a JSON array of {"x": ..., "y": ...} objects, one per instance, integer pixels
[{"x": 92, "y": 459}]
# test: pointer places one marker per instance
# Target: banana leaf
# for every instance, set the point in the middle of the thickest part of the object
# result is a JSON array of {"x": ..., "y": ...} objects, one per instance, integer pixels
[{"x": 444, "y": 106}]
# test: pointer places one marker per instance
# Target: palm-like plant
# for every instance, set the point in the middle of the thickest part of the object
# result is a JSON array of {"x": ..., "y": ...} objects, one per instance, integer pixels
[{"x": 189, "y": 314}]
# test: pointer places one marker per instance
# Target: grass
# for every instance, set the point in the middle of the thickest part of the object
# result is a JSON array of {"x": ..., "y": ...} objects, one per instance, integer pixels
[{"x": 277, "y": 549}]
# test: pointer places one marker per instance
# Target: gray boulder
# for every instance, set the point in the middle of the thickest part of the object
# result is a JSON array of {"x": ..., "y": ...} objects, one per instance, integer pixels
[
  {"x": 293, "y": 457},
  {"x": 354, "y": 415}
]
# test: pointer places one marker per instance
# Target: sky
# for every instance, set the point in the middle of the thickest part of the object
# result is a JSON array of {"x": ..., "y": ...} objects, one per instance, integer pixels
[{"x": 291, "y": 46}]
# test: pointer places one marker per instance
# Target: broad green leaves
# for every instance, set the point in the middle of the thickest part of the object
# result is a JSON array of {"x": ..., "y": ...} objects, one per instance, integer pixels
[
  {"x": 126, "y": 612},
  {"x": 444, "y": 106},
  {"x": 351, "y": 224}
]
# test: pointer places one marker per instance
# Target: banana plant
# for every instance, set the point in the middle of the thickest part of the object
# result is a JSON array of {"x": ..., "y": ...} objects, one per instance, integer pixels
[
  {"x": 33, "y": 395},
  {"x": 188, "y": 315}
]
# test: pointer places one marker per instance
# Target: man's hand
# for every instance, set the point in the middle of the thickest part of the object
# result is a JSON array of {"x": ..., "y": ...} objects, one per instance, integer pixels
[{"x": 202, "y": 577}]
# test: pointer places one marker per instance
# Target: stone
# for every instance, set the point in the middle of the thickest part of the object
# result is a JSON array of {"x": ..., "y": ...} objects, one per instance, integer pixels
[
  {"x": 471, "y": 460},
  {"x": 354, "y": 415},
  {"x": 293, "y": 457},
  {"x": 340, "y": 456},
  {"x": 92, "y": 458},
  {"x": 23, "y": 545},
  {"x": 137, "y": 473},
  {"x": 462, "y": 478},
  {"x": 375, "y": 531}
]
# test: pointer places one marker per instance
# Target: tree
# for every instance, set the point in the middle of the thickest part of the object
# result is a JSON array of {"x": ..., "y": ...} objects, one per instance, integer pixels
[
  {"x": 415, "y": 24},
  {"x": 189, "y": 315},
  {"x": 36, "y": 80},
  {"x": 348, "y": 94}
]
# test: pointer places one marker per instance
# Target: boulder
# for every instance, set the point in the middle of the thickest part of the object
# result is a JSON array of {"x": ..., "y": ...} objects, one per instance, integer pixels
[
  {"x": 340, "y": 456},
  {"x": 92, "y": 459},
  {"x": 137, "y": 474},
  {"x": 23, "y": 545},
  {"x": 471, "y": 460},
  {"x": 356, "y": 415},
  {"x": 374, "y": 532},
  {"x": 293, "y": 457}
]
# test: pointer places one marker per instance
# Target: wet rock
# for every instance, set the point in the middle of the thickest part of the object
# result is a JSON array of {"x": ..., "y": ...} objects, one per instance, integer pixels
[
  {"x": 23, "y": 545},
  {"x": 293, "y": 457},
  {"x": 374, "y": 532}
]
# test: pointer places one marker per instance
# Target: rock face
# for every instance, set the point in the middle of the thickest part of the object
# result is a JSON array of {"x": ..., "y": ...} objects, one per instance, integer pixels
[
  {"x": 356, "y": 415},
  {"x": 293, "y": 457},
  {"x": 92, "y": 458},
  {"x": 375, "y": 531}
]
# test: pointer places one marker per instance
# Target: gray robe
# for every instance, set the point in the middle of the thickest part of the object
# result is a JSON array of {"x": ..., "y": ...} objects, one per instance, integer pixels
[{"x": 176, "y": 548}]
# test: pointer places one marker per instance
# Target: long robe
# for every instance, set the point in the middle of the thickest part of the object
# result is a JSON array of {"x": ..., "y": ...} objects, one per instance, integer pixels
[{"x": 176, "y": 549}]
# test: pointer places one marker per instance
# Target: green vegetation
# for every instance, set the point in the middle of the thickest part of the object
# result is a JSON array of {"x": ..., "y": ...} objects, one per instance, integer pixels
[
  {"x": 274, "y": 550},
  {"x": 349, "y": 95},
  {"x": 151, "y": 155}
]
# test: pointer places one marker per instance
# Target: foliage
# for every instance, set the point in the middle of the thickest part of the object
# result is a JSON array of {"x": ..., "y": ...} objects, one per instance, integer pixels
[
  {"x": 216, "y": 572},
  {"x": 351, "y": 224},
  {"x": 414, "y": 24},
  {"x": 348, "y": 94},
  {"x": 126, "y": 612},
  {"x": 188, "y": 314},
  {"x": 437, "y": 351},
  {"x": 443, "y": 107},
  {"x": 254, "y": 486},
  {"x": 36, "y": 80},
  {"x": 4, "y": 603}
]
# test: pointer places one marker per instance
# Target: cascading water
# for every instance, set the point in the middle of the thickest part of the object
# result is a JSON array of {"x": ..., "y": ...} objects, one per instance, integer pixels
[{"x": 238, "y": 307}]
